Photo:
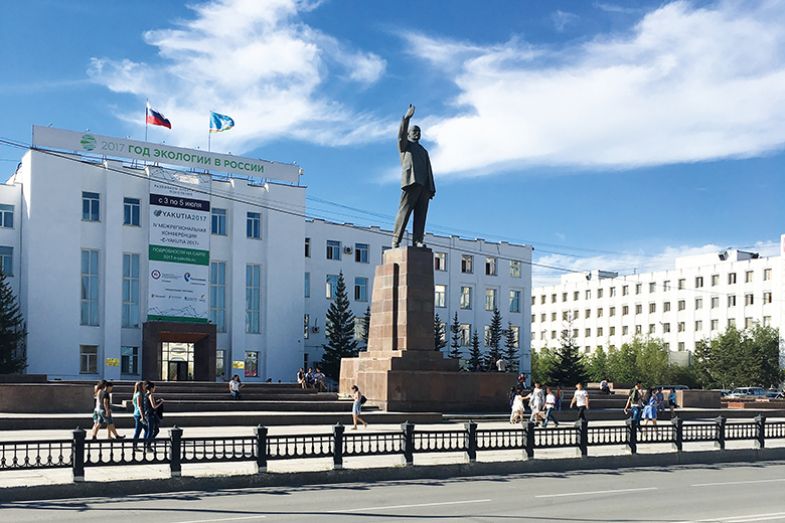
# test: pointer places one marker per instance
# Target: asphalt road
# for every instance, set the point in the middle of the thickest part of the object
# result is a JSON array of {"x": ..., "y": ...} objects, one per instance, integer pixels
[{"x": 727, "y": 494}]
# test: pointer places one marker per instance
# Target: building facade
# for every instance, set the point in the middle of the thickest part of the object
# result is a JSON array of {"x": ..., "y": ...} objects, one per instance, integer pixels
[{"x": 698, "y": 299}]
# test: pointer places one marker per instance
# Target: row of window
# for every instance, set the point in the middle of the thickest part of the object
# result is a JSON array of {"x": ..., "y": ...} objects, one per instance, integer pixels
[
  {"x": 90, "y": 293},
  {"x": 681, "y": 326},
  {"x": 666, "y": 285},
  {"x": 749, "y": 299},
  {"x": 91, "y": 212}
]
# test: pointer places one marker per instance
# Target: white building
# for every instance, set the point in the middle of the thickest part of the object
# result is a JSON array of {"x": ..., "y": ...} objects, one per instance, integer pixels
[
  {"x": 78, "y": 233},
  {"x": 471, "y": 277},
  {"x": 696, "y": 300}
]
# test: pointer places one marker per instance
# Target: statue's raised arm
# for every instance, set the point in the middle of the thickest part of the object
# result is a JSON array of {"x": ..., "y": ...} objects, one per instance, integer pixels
[{"x": 403, "y": 132}]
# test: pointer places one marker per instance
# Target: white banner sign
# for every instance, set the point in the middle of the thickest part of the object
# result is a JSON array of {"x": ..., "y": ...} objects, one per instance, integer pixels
[
  {"x": 95, "y": 144},
  {"x": 179, "y": 249}
]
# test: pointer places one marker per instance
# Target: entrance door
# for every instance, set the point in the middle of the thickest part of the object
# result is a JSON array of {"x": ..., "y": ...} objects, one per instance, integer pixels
[{"x": 177, "y": 361}]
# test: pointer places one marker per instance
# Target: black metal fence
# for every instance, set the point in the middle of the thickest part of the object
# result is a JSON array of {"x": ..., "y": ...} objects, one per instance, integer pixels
[{"x": 79, "y": 452}]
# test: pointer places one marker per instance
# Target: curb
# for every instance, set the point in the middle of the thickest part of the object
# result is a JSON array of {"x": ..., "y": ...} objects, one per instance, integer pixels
[{"x": 114, "y": 489}]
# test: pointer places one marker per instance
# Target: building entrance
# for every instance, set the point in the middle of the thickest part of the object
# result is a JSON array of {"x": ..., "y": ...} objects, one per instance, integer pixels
[
  {"x": 177, "y": 361},
  {"x": 178, "y": 351}
]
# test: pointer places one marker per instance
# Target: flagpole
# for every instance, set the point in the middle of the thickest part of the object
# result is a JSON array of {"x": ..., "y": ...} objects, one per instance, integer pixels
[{"x": 146, "y": 103}]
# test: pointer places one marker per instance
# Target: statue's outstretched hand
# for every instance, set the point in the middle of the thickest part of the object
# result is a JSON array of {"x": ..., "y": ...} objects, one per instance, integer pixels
[{"x": 409, "y": 112}]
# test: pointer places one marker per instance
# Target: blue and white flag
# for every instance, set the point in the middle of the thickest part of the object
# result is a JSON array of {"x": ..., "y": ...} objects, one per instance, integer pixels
[{"x": 220, "y": 122}]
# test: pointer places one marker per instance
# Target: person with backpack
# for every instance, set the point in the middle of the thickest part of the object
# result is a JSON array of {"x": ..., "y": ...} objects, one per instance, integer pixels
[
  {"x": 357, "y": 406},
  {"x": 635, "y": 403}
]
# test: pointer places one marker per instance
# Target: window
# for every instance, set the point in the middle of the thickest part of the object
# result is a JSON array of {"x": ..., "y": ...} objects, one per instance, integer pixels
[
  {"x": 7, "y": 216},
  {"x": 131, "y": 212},
  {"x": 220, "y": 363},
  {"x": 515, "y": 270},
  {"x": 490, "y": 266},
  {"x": 553, "y": 335},
  {"x": 553, "y": 298},
  {"x": 599, "y": 293},
  {"x": 218, "y": 221},
  {"x": 698, "y": 282},
  {"x": 625, "y": 330},
  {"x": 542, "y": 317},
  {"x": 359, "y": 329},
  {"x": 131, "y": 291},
  {"x": 682, "y": 305},
  {"x": 306, "y": 326},
  {"x": 748, "y": 277},
  {"x": 253, "y": 294},
  {"x": 698, "y": 303},
  {"x": 588, "y": 294},
  {"x": 466, "y": 334},
  {"x": 575, "y": 315},
  {"x": 253, "y": 225},
  {"x": 574, "y": 333},
  {"x": 440, "y": 261},
  {"x": 611, "y": 311},
  {"x": 715, "y": 280},
  {"x": 361, "y": 289},
  {"x": 331, "y": 289},
  {"x": 466, "y": 298},
  {"x": 251, "y": 364},
  {"x": 651, "y": 328},
  {"x": 88, "y": 359},
  {"x": 467, "y": 263},
  {"x": 731, "y": 322},
  {"x": 767, "y": 297},
  {"x": 652, "y": 307},
  {"x": 89, "y": 296},
  {"x": 307, "y": 247},
  {"x": 766, "y": 272},
  {"x": 732, "y": 300},
  {"x": 625, "y": 310},
  {"x": 715, "y": 302},
  {"x": 681, "y": 346},
  {"x": 638, "y": 308},
  {"x": 575, "y": 295},
  {"x": 129, "y": 360},
  {"x": 553, "y": 316},
  {"x": 638, "y": 287},
  {"x": 748, "y": 299},
  {"x": 563, "y": 296},
  {"x": 666, "y": 346},
  {"x": 652, "y": 286},
  {"x": 218, "y": 295},
  {"x": 440, "y": 296},
  {"x": 516, "y": 335},
  {"x": 361, "y": 252},
  {"x": 587, "y": 332},
  {"x": 490, "y": 299},
  {"x": 333, "y": 250},
  {"x": 682, "y": 283},
  {"x": 565, "y": 316},
  {"x": 731, "y": 278},
  {"x": 307, "y": 285},
  {"x": 666, "y": 285},
  {"x": 486, "y": 335},
  {"x": 680, "y": 326},
  {"x": 534, "y": 318},
  {"x": 625, "y": 290},
  {"x": 638, "y": 330},
  {"x": 767, "y": 321},
  {"x": 515, "y": 301},
  {"x": 599, "y": 313},
  {"x": 698, "y": 325},
  {"x": 611, "y": 331},
  {"x": 542, "y": 299},
  {"x": 91, "y": 207},
  {"x": 715, "y": 325},
  {"x": 666, "y": 307},
  {"x": 666, "y": 328},
  {"x": 749, "y": 323},
  {"x": 599, "y": 331},
  {"x": 7, "y": 260},
  {"x": 587, "y": 313}
]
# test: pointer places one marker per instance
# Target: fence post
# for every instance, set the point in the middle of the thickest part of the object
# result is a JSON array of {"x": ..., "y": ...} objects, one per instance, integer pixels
[
  {"x": 471, "y": 441},
  {"x": 77, "y": 455},
  {"x": 760, "y": 427},
  {"x": 678, "y": 427},
  {"x": 720, "y": 421},
  {"x": 338, "y": 430},
  {"x": 175, "y": 451},
  {"x": 582, "y": 426},
  {"x": 529, "y": 440},
  {"x": 632, "y": 435},
  {"x": 261, "y": 449},
  {"x": 408, "y": 442}
]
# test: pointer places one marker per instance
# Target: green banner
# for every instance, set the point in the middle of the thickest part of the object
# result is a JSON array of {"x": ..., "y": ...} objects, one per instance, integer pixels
[
  {"x": 179, "y": 319},
  {"x": 179, "y": 255}
]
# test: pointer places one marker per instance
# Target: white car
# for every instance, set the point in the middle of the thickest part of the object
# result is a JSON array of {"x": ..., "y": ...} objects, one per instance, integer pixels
[{"x": 747, "y": 393}]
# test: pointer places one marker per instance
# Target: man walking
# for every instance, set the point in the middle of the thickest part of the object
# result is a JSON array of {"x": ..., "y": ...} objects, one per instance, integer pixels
[
  {"x": 635, "y": 403},
  {"x": 417, "y": 184},
  {"x": 581, "y": 400}
]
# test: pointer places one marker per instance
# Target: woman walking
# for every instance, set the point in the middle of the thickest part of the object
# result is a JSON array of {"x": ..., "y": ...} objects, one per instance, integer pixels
[
  {"x": 550, "y": 406},
  {"x": 138, "y": 401},
  {"x": 99, "y": 417},
  {"x": 359, "y": 399},
  {"x": 150, "y": 415},
  {"x": 650, "y": 410}
]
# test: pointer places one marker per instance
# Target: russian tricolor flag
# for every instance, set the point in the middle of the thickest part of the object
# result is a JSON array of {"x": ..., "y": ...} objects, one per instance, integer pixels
[{"x": 156, "y": 118}]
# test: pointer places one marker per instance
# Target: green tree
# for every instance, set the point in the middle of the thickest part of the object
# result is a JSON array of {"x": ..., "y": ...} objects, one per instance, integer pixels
[
  {"x": 597, "y": 365},
  {"x": 494, "y": 339},
  {"x": 511, "y": 348},
  {"x": 569, "y": 368},
  {"x": 455, "y": 338},
  {"x": 475, "y": 354},
  {"x": 13, "y": 335},
  {"x": 622, "y": 364},
  {"x": 543, "y": 363},
  {"x": 439, "y": 333},
  {"x": 339, "y": 328},
  {"x": 365, "y": 324}
]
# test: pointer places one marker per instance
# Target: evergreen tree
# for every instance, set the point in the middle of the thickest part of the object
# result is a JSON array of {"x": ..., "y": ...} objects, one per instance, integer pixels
[
  {"x": 365, "y": 323},
  {"x": 439, "y": 333},
  {"x": 510, "y": 348},
  {"x": 12, "y": 331},
  {"x": 569, "y": 368},
  {"x": 339, "y": 328},
  {"x": 475, "y": 354},
  {"x": 597, "y": 367},
  {"x": 455, "y": 338},
  {"x": 543, "y": 365},
  {"x": 494, "y": 339}
]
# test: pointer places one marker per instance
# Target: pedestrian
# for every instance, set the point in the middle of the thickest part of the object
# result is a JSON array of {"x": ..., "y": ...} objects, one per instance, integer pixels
[
  {"x": 138, "y": 402},
  {"x": 301, "y": 378},
  {"x": 536, "y": 403},
  {"x": 319, "y": 378},
  {"x": 521, "y": 381},
  {"x": 359, "y": 400},
  {"x": 234, "y": 387},
  {"x": 309, "y": 379},
  {"x": 635, "y": 403},
  {"x": 516, "y": 408},
  {"x": 672, "y": 400},
  {"x": 650, "y": 410},
  {"x": 550, "y": 406},
  {"x": 558, "y": 395},
  {"x": 151, "y": 406},
  {"x": 98, "y": 409},
  {"x": 501, "y": 365},
  {"x": 106, "y": 403},
  {"x": 660, "y": 399},
  {"x": 580, "y": 399}
]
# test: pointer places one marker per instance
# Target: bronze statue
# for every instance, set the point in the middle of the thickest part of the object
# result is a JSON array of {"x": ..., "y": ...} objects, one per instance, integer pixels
[{"x": 417, "y": 187}]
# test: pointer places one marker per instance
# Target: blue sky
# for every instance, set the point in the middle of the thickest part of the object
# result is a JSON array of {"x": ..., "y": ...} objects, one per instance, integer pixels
[{"x": 608, "y": 135}]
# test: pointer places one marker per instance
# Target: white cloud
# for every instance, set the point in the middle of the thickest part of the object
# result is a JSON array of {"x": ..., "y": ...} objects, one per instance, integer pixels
[
  {"x": 685, "y": 84},
  {"x": 561, "y": 19},
  {"x": 255, "y": 61},
  {"x": 630, "y": 262}
]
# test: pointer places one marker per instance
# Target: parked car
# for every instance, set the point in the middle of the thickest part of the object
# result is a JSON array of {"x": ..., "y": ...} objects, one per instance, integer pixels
[
  {"x": 774, "y": 394},
  {"x": 747, "y": 393}
]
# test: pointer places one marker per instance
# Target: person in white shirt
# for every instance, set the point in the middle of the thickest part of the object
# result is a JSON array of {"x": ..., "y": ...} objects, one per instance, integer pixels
[
  {"x": 581, "y": 400},
  {"x": 536, "y": 402},
  {"x": 234, "y": 387},
  {"x": 517, "y": 413},
  {"x": 550, "y": 406},
  {"x": 501, "y": 365}
]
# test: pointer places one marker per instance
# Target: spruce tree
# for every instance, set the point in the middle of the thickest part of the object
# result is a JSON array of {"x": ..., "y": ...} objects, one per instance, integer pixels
[
  {"x": 366, "y": 328},
  {"x": 439, "y": 333},
  {"x": 339, "y": 327},
  {"x": 510, "y": 348},
  {"x": 455, "y": 338},
  {"x": 475, "y": 354},
  {"x": 12, "y": 331},
  {"x": 569, "y": 368},
  {"x": 495, "y": 337}
]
